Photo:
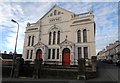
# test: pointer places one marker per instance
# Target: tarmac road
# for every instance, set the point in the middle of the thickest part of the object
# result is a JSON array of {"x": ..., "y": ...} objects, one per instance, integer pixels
[{"x": 107, "y": 73}]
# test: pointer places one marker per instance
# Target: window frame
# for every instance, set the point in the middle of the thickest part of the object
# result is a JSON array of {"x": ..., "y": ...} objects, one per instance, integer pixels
[
  {"x": 29, "y": 38},
  {"x": 50, "y": 35},
  {"x": 79, "y": 36},
  {"x": 84, "y": 35},
  {"x": 58, "y": 37},
  {"x": 49, "y": 53},
  {"x": 79, "y": 52},
  {"x": 85, "y": 52},
  {"x": 53, "y": 53}
]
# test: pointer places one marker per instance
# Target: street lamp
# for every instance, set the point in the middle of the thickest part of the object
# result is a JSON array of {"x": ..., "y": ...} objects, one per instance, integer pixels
[{"x": 12, "y": 70}]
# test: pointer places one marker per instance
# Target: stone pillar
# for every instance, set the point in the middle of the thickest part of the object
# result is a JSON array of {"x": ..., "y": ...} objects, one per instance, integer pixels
[
  {"x": 94, "y": 63},
  {"x": 18, "y": 66},
  {"x": 37, "y": 67},
  {"x": 81, "y": 69}
]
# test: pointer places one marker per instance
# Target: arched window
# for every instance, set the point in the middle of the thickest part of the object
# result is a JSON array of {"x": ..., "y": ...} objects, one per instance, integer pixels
[
  {"x": 54, "y": 37},
  {"x": 58, "y": 38},
  {"x": 78, "y": 36},
  {"x": 32, "y": 40},
  {"x": 49, "y": 38},
  {"x": 55, "y": 12},
  {"x": 29, "y": 38},
  {"x": 84, "y": 35}
]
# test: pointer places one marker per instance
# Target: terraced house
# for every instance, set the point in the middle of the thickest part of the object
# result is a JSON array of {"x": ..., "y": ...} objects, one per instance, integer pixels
[{"x": 60, "y": 37}]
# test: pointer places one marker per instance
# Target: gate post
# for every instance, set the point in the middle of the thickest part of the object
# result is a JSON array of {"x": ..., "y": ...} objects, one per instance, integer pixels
[
  {"x": 18, "y": 66},
  {"x": 81, "y": 69},
  {"x": 94, "y": 63}
]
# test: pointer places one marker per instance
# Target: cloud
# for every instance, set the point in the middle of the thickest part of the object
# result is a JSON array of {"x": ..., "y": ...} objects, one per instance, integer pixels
[
  {"x": 22, "y": 13},
  {"x": 105, "y": 18},
  {"x": 8, "y": 29},
  {"x": 60, "y": 0}
]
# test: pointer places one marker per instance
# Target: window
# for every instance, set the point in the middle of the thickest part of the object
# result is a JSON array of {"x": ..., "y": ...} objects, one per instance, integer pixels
[
  {"x": 32, "y": 40},
  {"x": 31, "y": 54},
  {"x": 29, "y": 40},
  {"x": 84, "y": 35},
  {"x": 85, "y": 52},
  {"x": 58, "y": 38},
  {"x": 49, "y": 53},
  {"x": 78, "y": 36},
  {"x": 79, "y": 53},
  {"x": 27, "y": 54},
  {"x": 54, "y": 37},
  {"x": 53, "y": 54},
  {"x": 57, "y": 53},
  {"x": 55, "y": 12},
  {"x": 49, "y": 38}
]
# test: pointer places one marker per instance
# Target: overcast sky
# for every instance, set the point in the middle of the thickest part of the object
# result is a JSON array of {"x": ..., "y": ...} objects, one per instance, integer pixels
[{"x": 106, "y": 19}]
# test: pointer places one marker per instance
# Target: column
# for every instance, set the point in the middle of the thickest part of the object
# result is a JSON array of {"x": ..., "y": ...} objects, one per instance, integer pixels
[
  {"x": 51, "y": 38},
  {"x": 56, "y": 37},
  {"x": 81, "y": 35}
]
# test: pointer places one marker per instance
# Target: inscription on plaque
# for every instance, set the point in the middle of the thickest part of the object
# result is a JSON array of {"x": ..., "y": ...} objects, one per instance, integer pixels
[{"x": 54, "y": 20}]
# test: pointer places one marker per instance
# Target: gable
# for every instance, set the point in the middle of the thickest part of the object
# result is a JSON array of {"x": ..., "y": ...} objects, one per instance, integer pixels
[
  {"x": 39, "y": 44},
  {"x": 56, "y": 14}
]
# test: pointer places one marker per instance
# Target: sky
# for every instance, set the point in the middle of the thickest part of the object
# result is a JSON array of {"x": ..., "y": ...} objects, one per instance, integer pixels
[{"x": 105, "y": 13}]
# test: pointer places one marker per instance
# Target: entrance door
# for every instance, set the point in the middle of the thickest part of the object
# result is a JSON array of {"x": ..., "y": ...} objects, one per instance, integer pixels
[
  {"x": 66, "y": 57},
  {"x": 39, "y": 54}
]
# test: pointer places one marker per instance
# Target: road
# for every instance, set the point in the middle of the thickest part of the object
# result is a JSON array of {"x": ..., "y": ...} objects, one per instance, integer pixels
[{"x": 107, "y": 73}]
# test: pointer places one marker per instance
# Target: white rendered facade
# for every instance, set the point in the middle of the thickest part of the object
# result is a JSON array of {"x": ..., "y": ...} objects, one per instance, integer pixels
[{"x": 60, "y": 30}]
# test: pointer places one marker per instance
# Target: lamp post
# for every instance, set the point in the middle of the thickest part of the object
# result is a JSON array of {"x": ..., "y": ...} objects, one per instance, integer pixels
[{"x": 12, "y": 70}]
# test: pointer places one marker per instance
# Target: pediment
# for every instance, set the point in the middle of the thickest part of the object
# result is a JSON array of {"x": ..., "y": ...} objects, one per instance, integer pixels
[
  {"x": 39, "y": 44},
  {"x": 66, "y": 42},
  {"x": 56, "y": 11}
]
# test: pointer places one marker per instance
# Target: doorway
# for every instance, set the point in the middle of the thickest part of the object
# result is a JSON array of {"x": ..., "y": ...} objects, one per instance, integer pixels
[
  {"x": 66, "y": 57},
  {"x": 39, "y": 54}
]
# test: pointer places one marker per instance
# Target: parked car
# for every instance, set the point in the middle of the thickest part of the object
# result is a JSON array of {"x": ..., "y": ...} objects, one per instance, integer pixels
[
  {"x": 109, "y": 61},
  {"x": 118, "y": 62},
  {"x": 104, "y": 60}
]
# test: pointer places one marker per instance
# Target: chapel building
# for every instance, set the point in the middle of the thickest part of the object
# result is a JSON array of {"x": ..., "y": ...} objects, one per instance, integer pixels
[{"x": 60, "y": 37}]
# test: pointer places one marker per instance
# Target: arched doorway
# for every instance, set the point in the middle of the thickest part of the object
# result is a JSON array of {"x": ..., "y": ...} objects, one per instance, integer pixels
[
  {"x": 39, "y": 54},
  {"x": 66, "y": 56}
]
